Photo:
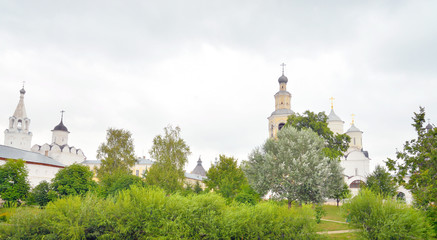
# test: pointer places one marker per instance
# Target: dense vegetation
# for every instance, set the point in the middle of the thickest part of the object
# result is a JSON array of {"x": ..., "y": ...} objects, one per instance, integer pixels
[{"x": 149, "y": 213}]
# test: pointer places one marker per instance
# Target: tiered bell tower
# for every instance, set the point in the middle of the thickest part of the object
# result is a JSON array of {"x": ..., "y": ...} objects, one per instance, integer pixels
[
  {"x": 18, "y": 134},
  {"x": 278, "y": 118}
]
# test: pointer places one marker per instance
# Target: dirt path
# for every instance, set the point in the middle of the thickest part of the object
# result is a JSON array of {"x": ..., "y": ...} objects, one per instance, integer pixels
[{"x": 339, "y": 231}]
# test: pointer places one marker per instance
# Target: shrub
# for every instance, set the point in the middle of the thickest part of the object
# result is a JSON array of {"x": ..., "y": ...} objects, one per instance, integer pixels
[
  {"x": 381, "y": 218},
  {"x": 149, "y": 213}
]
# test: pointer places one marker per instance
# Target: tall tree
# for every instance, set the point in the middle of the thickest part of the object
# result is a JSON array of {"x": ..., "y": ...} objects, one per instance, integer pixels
[
  {"x": 170, "y": 153},
  {"x": 292, "y": 167},
  {"x": 117, "y": 154},
  {"x": 75, "y": 179},
  {"x": 226, "y": 177},
  {"x": 13, "y": 181},
  {"x": 335, "y": 144},
  {"x": 336, "y": 188},
  {"x": 381, "y": 182},
  {"x": 418, "y": 160}
]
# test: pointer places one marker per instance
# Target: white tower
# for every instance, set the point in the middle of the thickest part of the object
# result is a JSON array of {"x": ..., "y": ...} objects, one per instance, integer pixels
[
  {"x": 60, "y": 133},
  {"x": 356, "y": 136},
  {"x": 334, "y": 122},
  {"x": 18, "y": 134}
]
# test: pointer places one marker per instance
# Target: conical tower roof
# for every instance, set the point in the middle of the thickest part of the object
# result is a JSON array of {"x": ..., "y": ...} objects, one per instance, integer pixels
[
  {"x": 199, "y": 170},
  {"x": 20, "y": 111}
]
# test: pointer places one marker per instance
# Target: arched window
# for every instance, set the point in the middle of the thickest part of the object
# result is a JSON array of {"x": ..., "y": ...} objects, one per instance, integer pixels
[
  {"x": 356, "y": 184},
  {"x": 281, "y": 125},
  {"x": 19, "y": 124}
]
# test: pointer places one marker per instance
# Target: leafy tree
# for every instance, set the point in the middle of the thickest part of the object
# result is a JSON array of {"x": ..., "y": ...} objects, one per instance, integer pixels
[
  {"x": 226, "y": 177},
  {"x": 380, "y": 181},
  {"x": 112, "y": 184},
  {"x": 197, "y": 188},
  {"x": 344, "y": 193},
  {"x": 292, "y": 167},
  {"x": 335, "y": 144},
  {"x": 13, "y": 183},
  {"x": 117, "y": 154},
  {"x": 40, "y": 193},
  {"x": 418, "y": 160},
  {"x": 247, "y": 195},
  {"x": 335, "y": 186},
  {"x": 170, "y": 153},
  {"x": 75, "y": 179}
]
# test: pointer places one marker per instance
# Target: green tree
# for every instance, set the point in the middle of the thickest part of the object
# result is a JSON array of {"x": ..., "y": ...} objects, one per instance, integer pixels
[
  {"x": 112, "y": 184},
  {"x": 292, "y": 166},
  {"x": 344, "y": 193},
  {"x": 13, "y": 181},
  {"x": 226, "y": 177},
  {"x": 40, "y": 193},
  {"x": 418, "y": 160},
  {"x": 380, "y": 181},
  {"x": 75, "y": 179},
  {"x": 170, "y": 153},
  {"x": 335, "y": 186},
  {"x": 117, "y": 154},
  {"x": 335, "y": 144}
]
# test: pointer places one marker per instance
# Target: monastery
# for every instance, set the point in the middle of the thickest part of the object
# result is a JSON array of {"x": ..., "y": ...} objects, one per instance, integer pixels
[
  {"x": 355, "y": 161},
  {"x": 44, "y": 161}
]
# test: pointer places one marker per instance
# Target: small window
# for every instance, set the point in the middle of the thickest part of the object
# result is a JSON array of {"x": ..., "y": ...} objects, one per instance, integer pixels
[
  {"x": 356, "y": 171},
  {"x": 281, "y": 125},
  {"x": 137, "y": 172}
]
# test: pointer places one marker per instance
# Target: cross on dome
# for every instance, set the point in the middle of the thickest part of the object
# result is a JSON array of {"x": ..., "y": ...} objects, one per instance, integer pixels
[
  {"x": 332, "y": 102},
  {"x": 283, "y": 67}
]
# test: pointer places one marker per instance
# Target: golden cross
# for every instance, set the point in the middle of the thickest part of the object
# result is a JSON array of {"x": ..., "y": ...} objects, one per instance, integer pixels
[
  {"x": 62, "y": 115},
  {"x": 353, "y": 119},
  {"x": 332, "y": 102}
]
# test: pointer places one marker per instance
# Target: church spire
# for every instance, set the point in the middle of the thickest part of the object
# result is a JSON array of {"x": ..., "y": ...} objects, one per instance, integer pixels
[
  {"x": 20, "y": 111},
  {"x": 18, "y": 134}
]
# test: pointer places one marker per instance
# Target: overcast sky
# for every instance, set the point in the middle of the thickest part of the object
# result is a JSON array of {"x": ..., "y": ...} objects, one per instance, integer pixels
[{"x": 211, "y": 67}]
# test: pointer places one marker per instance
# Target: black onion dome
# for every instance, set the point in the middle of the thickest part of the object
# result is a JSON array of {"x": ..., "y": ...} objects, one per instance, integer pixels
[
  {"x": 283, "y": 79},
  {"x": 61, "y": 127},
  {"x": 22, "y": 91}
]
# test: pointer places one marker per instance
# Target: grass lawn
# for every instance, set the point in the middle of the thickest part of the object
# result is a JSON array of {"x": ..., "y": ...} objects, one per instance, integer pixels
[
  {"x": 331, "y": 226},
  {"x": 333, "y": 213}
]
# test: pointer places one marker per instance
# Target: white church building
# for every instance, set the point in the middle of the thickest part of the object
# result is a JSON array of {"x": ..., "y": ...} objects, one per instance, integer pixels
[{"x": 356, "y": 161}]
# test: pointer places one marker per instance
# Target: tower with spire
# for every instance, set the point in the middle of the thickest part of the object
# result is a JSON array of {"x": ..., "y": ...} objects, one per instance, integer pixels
[
  {"x": 278, "y": 118},
  {"x": 18, "y": 134}
]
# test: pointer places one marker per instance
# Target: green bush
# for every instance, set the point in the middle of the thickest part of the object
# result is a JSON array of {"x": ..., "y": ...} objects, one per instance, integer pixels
[
  {"x": 381, "y": 218},
  {"x": 150, "y": 213}
]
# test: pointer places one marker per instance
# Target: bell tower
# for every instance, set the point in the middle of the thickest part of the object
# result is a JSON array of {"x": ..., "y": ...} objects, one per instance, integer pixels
[
  {"x": 18, "y": 134},
  {"x": 278, "y": 118}
]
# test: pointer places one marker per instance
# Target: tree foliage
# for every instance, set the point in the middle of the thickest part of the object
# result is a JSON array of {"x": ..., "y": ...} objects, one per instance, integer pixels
[
  {"x": 150, "y": 213},
  {"x": 117, "y": 154},
  {"x": 40, "y": 194},
  {"x": 75, "y": 179},
  {"x": 418, "y": 161},
  {"x": 292, "y": 167},
  {"x": 13, "y": 181},
  {"x": 381, "y": 218},
  {"x": 381, "y": 182},
  {"x": 170, "y": 153},
  {"x": 335, "y": 144},
  {"x": 114, "y": 183},
  {"x": 226, "y": 177}
]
